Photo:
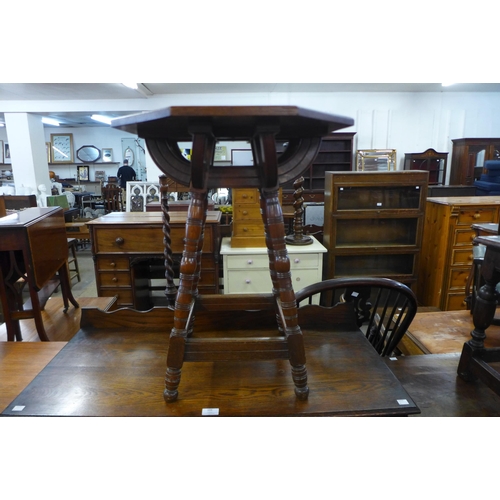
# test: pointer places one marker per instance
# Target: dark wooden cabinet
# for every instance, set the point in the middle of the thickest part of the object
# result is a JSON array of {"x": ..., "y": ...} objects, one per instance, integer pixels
[
  {"x": 373, "y": 223},
  {"x": 470, "y": 154},
  {"x": 335, "y": 153},
  {"x": 432, "y": 161}
]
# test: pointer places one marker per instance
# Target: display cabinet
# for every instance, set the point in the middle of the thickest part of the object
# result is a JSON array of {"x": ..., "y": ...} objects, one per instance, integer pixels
[
  {"x": 373, "y": 224},
  {"x": 430, "y": 160},
  {"x": 335, "y": 153},
  {"x": 468, "y": 154},
  {"x": 447, "y": 254}
]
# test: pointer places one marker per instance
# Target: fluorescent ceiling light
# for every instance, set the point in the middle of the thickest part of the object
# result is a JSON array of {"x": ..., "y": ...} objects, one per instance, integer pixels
[
  {"x": 50, "y": 121},
  {"x": 102, "y": 119},
  {"x": 140, "y": 87},
  {"x": 447, "y": 84},
  {"x": 2, "y": 124}
]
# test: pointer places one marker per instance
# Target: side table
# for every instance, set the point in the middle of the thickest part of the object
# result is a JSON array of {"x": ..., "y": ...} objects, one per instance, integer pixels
[
  {"x": 475, "y": 360},
  {"x": 262, "y": 126}
]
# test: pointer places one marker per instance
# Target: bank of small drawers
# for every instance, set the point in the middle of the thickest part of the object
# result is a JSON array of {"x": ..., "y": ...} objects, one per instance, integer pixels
[
  {"x": 248, "y": 226},
  {"x": 247, "y": 270},
  {"x": 447, "y": 254}
]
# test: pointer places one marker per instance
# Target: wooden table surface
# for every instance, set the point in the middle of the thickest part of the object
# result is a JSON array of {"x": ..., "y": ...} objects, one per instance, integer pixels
[
  {"x": 20, "y": 363},
  {"x": 114, "y": 372}
]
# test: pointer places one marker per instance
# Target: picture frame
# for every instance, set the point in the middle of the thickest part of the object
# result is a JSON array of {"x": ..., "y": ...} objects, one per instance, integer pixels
[
  {"x": 1, "y": 151},
  {"x": 62, "y": 148},
  {"x": 83, "y": 172},
  {"x": 241, "y": 157},
  {"x": 107, "y": 155},
  {"x": 6, "y": 153},
  {"x": 48, "y": 150}
]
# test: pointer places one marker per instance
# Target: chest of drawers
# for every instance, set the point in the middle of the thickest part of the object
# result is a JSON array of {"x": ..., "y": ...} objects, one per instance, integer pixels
[
  {"x": 246, "y": 270},
  {"x": 447, "y": 257},
  {"x": 128, "y": 251}
]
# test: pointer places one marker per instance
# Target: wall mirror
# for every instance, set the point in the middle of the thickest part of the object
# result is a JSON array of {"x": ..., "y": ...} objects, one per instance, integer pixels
[
  {"x": 375, "y": 159},
  {"x": 88, "y": 154}
]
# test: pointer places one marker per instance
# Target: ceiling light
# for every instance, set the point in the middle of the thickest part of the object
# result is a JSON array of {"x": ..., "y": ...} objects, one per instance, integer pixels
[
  {"x": 2, "y": 124},
  {"x": 447, "y": 84},
  {"x": 102, "y": 119},
  {"x": 140, "y": 87},
  {"x": 50, "y": 121}
]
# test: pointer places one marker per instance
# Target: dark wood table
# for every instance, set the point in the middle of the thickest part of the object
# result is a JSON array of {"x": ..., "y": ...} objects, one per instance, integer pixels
[
  {"x": 33, "y": 249},
  {"x": 114, "y": 366},
  {"x": 476, "y": 359},
  {"x": 261, "y": 126}
]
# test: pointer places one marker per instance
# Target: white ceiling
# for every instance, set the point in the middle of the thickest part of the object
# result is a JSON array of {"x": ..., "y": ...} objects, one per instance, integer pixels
[{"x": 111, "y": 91}]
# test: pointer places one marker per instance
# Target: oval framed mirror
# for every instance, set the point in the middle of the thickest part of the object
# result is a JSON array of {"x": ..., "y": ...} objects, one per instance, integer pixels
[
  {"x": 88, "y": 154},
  {"x": 129, "y": 155}
]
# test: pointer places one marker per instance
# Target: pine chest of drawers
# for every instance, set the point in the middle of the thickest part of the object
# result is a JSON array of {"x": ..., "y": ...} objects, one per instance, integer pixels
[
  {"x": 447, "y": 257},
  {"x": 128, "y": 251}
]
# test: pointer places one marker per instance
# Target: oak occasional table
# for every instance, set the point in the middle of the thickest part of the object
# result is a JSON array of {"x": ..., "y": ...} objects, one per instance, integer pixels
[{"x": 262, "y": 126}]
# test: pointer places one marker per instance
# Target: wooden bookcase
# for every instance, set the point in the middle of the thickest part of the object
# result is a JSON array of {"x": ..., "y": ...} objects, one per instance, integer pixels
[
  {"x": 373, "y": 223},
  {"x": 468, "y": 154},
  {"x": 335, "y": 153}
]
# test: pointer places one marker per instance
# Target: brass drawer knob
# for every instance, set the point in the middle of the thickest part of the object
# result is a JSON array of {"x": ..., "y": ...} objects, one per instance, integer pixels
[
  {"x": 114, "y": 279},
  {"x": 112, "y": 264},
  {"x": 476, "y": 216}
]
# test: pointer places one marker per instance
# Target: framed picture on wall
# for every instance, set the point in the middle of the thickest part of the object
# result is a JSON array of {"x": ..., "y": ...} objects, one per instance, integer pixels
[
  {"x": 6, "y": 153},
  {"x": 107, "y": 155},
  {"x": 62, "y": 148},
  {"x": 83, "y": 172},
  {"x": 241, "y": 157},
  {"x": 1, "y": 151}
]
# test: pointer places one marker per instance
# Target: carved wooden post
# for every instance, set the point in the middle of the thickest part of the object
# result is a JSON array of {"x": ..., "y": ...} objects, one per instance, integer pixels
[
  {"x": 298, "y": 237},
  {"x": 171, "y": 289}
]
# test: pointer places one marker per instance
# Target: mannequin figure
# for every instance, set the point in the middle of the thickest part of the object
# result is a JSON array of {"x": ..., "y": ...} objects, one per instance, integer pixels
[{"x": 42, "y": 199}]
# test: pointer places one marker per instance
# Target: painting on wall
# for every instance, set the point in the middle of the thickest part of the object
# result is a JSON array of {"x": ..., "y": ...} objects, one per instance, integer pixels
[{"x": 6, "y": 153}]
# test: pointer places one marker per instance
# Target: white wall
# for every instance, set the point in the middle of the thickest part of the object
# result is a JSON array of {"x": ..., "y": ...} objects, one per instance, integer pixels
[{"x": 406, "y": 121}]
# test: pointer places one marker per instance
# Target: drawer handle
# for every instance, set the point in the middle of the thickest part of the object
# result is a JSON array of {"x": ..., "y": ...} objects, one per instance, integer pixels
[
  {"x": 247, "y": 281},
  {"x": 476, "y": 216},
  {"x": 245, "y": 212},
  {"x": 119, "y": 241},
  {"x": 245, "y": 196},
  {"x": 112, "y": 264},
  {"x": 296, "y": 261},
  {"x": 115, "y": 279},
  {"x": 249, "y": 261},
  {"x": 245, "y": 229}
]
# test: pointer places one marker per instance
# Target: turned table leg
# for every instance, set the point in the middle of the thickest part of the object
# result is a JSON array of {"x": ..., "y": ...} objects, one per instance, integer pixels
[{"x": 279, "y": 267}]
